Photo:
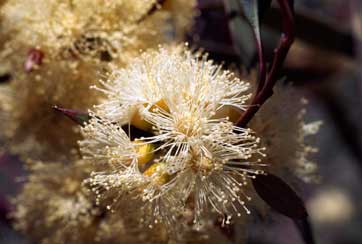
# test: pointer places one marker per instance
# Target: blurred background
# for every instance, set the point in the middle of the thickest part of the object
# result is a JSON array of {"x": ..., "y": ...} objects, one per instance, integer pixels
[{"x": 325, "y": 64}]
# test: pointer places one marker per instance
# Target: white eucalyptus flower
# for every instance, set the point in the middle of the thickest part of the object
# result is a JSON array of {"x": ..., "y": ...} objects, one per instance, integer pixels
[{"x": 196, "y": 156}]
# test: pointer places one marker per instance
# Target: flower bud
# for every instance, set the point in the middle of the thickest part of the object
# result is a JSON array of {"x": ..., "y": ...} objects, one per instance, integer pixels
[{"x": 138, "y": 120}]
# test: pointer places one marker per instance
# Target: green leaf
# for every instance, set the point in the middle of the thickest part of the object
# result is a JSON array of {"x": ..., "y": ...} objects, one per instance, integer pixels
[
  {"x": 246, "y": 30},
  {"x": 241, "y": 32},
  {"x": 78, "y": 117},
  {"x": 251, "y": 12}
]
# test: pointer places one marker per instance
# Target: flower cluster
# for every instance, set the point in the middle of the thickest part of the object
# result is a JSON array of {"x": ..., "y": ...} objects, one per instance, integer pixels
[
  {"x": 55, "y": 207},
  {"x": 54, "y": 50},
  {"x": 162, "y": 159},
  {"x": 187, "y": 154}
]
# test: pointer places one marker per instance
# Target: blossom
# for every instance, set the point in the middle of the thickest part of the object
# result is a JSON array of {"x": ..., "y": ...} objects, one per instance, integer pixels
[
  {"x": 4, "y": 97},
  {"x": 181, "y": 12},
  {"x": 287, "y": 136},
  {"x": 92, "y": 28},
  {"x": 122, "y": 170},
  {"x": 150, "y": 77},
  {"x": 53, "y": 206},
  {"x": 82, "y": 26},
  {"x": 306, "y": 169},
  {"x": 175, "y": 95},
  {"x": 54, "y": 50}
]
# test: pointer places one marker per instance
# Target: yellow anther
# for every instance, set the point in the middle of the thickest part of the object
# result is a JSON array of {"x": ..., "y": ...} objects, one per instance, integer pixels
[
  {"x": 144, "y": 151},
  {"x": 157, "y": 171}
]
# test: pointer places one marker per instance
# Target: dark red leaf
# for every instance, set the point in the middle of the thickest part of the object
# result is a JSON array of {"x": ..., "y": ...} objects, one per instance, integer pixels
[
  {"x": 305, "y": 230},
  {"x": 34, "y": 58},
  {"x": 78, "y": 117},
  {"x": 279, "y": 196}
]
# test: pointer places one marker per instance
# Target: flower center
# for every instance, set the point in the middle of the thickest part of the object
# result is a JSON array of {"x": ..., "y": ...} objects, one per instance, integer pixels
[{"x": 188, "y": 125}]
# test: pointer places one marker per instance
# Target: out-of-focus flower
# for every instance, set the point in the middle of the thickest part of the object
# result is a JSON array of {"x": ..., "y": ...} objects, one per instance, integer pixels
[
  {"x": 199, "y": 159},
  {"x": 54, "y": 50},
  {"x": 53, "y": 207},
  {"x": 92, "y": 29},
  {"x": 32, "y": 128},
  {"x": 5, "y": 94},
  {"x": 286, "y": 136},
  {"x": 83, "y": 29},
  {"x": 332, "y": 206},
  {"x": 306, "y": 168},
  {"x": 181, "y": 12},
  {"x": 124, "y": 228}
]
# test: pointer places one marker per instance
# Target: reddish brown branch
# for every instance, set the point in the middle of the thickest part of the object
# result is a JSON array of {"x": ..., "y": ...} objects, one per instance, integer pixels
[
  {"x": 157, "y": 5},
  {"x": 265, "y": 89}
]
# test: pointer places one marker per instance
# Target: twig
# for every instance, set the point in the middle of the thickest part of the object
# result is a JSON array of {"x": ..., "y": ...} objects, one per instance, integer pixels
[
  {"x": 157, "y": 5},
  {"x": 265, "y": 89}
]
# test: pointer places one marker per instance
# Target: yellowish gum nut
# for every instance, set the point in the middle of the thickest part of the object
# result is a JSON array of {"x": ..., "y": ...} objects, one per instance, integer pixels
[
  {"x": 144, "y": 151},
  {"x": 158, "y": 170},
  {"x": 138, "y": 120}
]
